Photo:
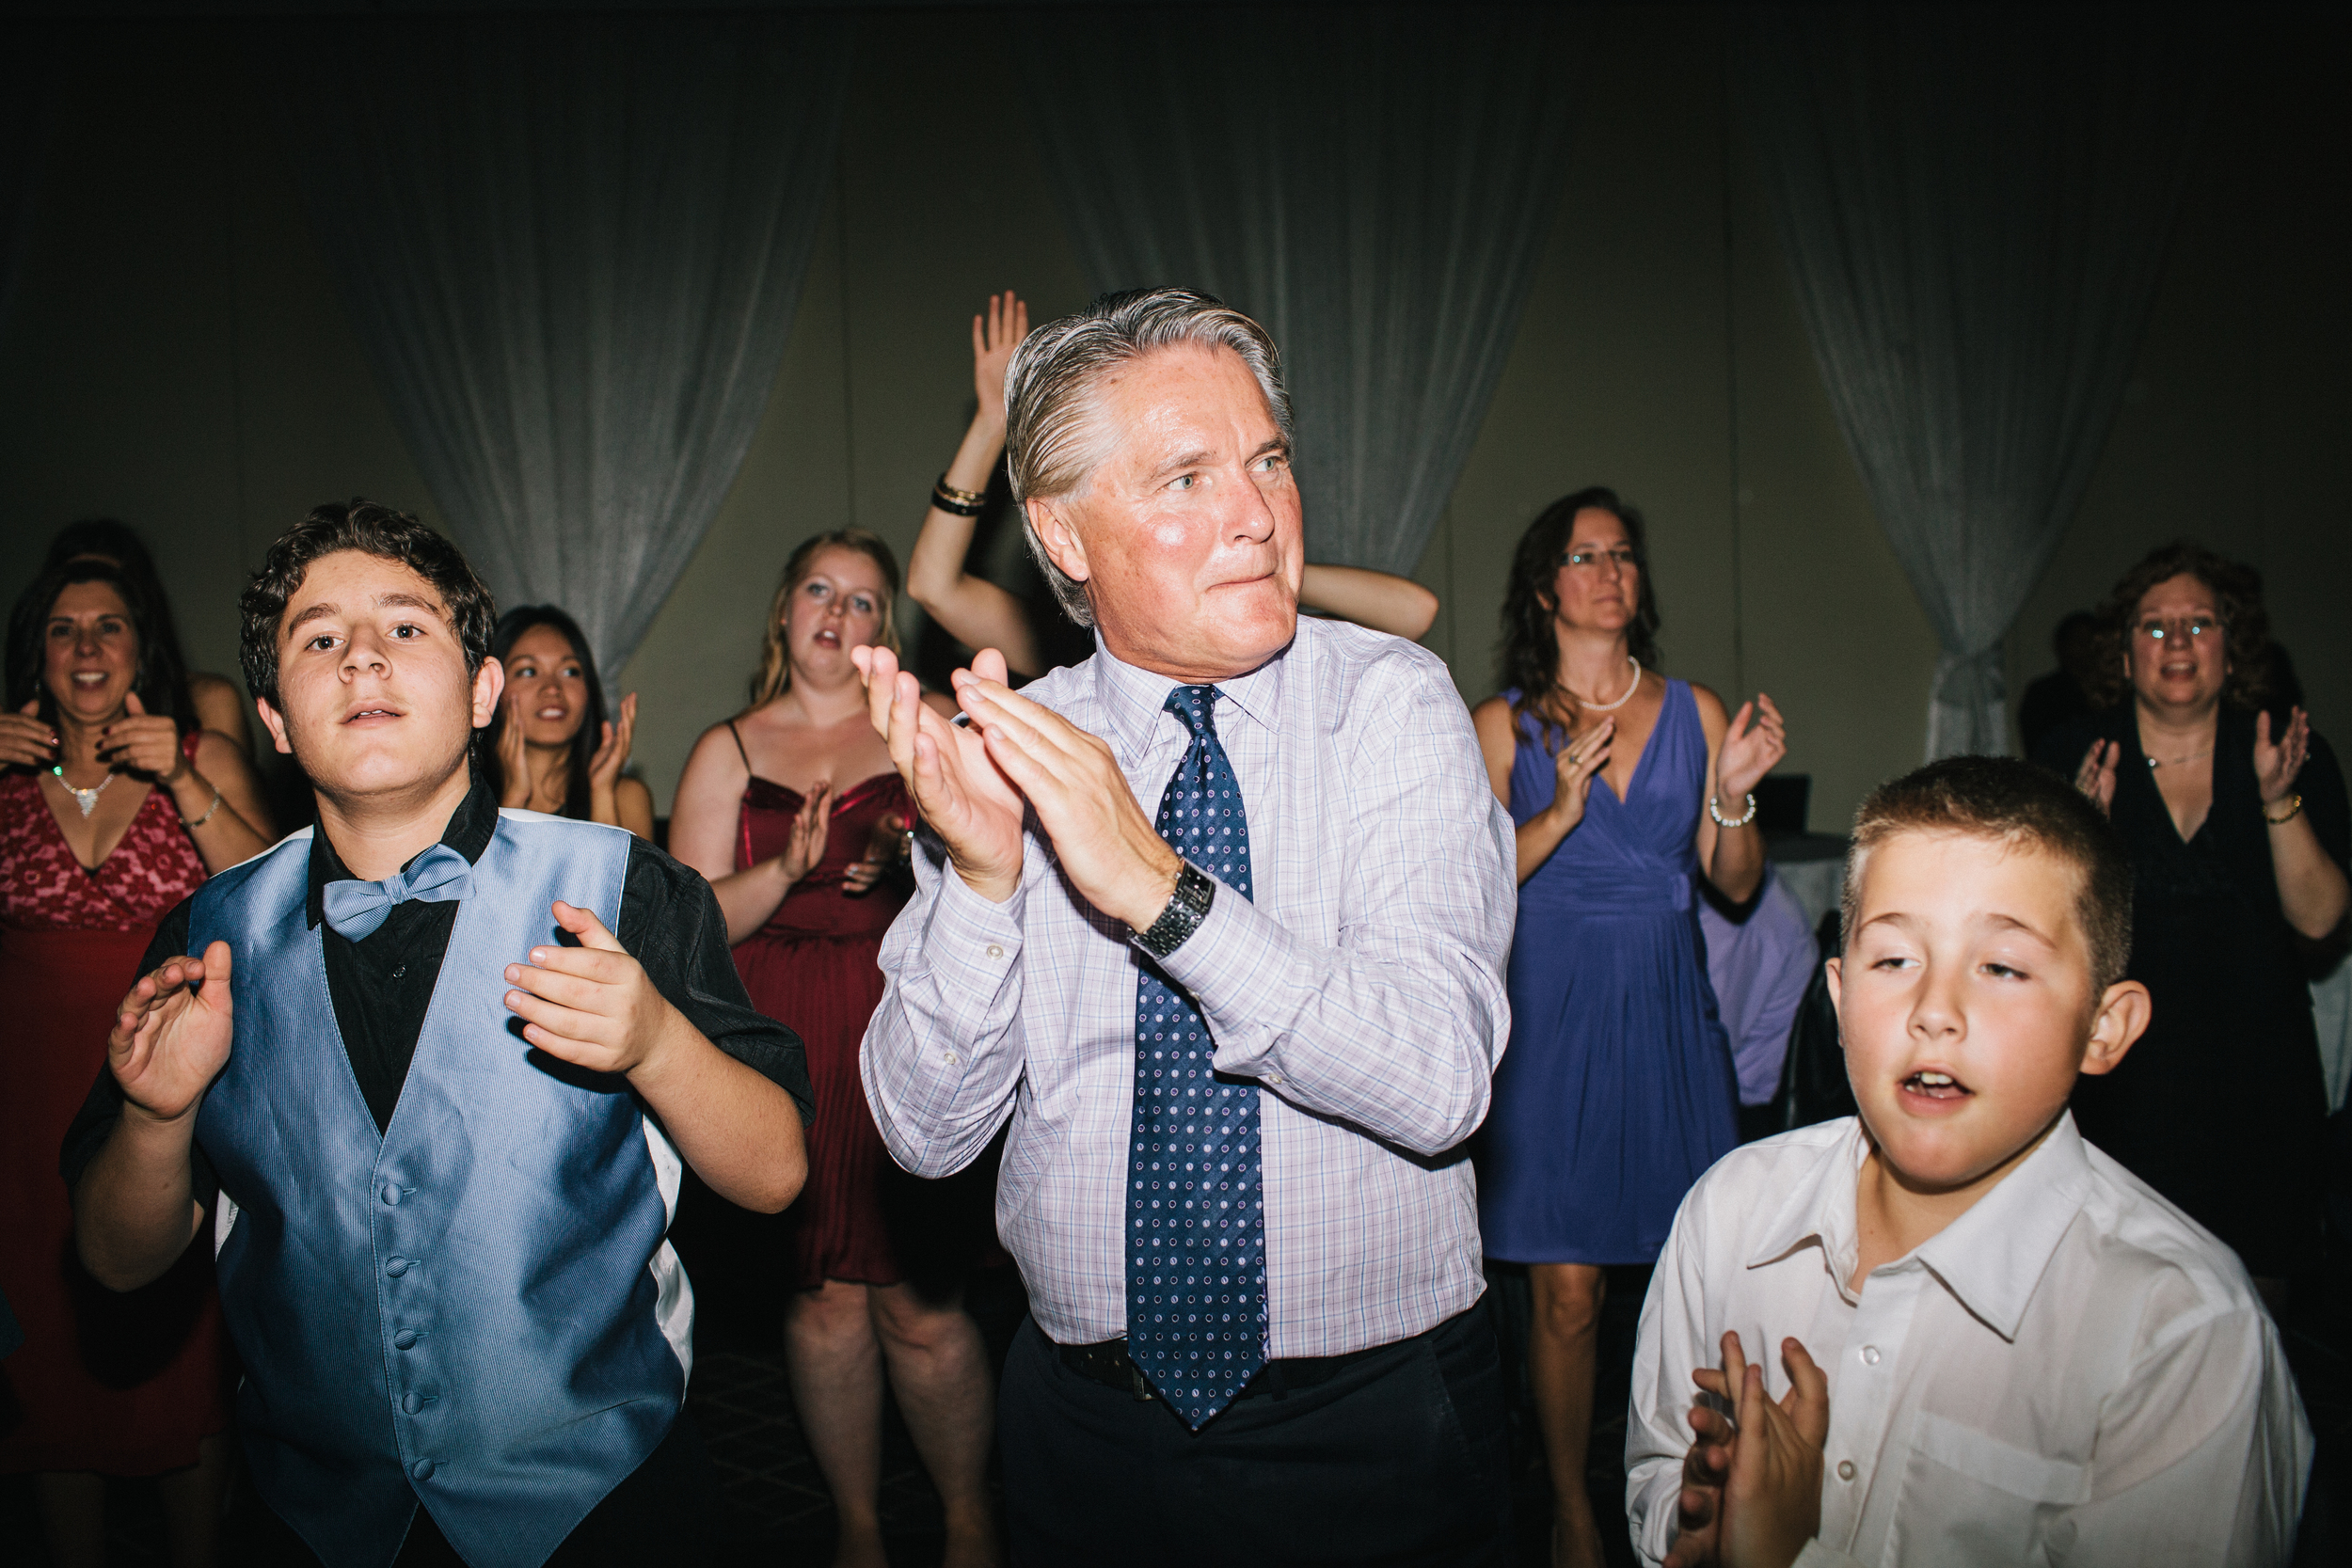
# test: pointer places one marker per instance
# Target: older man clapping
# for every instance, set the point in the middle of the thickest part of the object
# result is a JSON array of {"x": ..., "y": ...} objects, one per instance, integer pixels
[{"x": 1241, "y": 1037}]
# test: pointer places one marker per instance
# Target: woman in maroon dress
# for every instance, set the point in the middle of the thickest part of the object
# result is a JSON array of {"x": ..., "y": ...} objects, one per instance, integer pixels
[
  {"x": 114, "y": 807},
  {"x": 794, "y": 811}
]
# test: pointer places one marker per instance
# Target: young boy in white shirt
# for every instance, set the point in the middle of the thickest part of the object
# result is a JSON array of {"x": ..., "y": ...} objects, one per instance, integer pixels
[{"x": 1994, "y": 1344}]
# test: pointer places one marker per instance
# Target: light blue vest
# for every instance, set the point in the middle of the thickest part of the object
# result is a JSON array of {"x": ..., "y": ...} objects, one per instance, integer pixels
[{"x": 477, "y": 1309}]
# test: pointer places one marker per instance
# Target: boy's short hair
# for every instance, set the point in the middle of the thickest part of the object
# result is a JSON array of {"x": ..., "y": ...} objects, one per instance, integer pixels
[
  {"x": 2005, "y": 797},
  {"x": 372, "y": 529}
]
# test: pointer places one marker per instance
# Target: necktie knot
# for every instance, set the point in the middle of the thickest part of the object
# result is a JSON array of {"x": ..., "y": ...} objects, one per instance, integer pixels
[
  {"x": 1197, "y": 707},
  {"x": 355, "y": 909}
]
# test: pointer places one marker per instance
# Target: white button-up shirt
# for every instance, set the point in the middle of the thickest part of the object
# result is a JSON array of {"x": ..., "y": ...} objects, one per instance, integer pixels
[
  {"x": 1362, "y": 990},
  {"x": 2071, "y": 1373}
]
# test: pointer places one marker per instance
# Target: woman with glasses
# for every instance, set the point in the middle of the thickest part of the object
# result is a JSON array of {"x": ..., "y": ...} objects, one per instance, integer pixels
[
  {"x": 1617, "y": 1090},
  {"x": 2238, "y": 826}
]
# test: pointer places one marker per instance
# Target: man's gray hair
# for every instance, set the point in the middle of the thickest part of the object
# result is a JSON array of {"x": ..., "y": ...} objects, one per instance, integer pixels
[{"x": 1053, "y": 441}]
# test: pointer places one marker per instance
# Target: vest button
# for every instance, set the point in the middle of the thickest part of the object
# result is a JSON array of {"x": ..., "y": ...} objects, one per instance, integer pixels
[
  {"x": 422, "y": 1469},
  {"x": 391, "y": 1191},
  {"x": 395, "y": 1266},
  {"x": 411, "y": 1403},
  {"x": 404, "y": 1339}
]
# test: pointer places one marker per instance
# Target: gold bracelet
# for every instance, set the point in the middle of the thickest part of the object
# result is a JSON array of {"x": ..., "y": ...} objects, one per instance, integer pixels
[
  {"x": 2294, "y": 809},
  {"x": 968, "y": 498}
]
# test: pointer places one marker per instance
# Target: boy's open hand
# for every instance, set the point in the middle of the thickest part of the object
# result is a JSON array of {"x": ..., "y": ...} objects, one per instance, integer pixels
[
  {"x": 171, "y": 1035},
  {"x": 1771, "y": 1498},
  {"x": 592, "y": 1005}
]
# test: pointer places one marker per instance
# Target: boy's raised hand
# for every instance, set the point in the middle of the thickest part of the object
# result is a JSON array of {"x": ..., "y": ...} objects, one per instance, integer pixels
[
  {"x": 1771, "y": 1498},
  {"x": 593, "y": 1005},
  {"x": 1699, "y": 1510},
  {"x": 171, "y": 1034}
]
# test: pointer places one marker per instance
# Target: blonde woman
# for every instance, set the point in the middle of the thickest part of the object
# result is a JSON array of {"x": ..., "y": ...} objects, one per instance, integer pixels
[{"x": 794, "y": 811}]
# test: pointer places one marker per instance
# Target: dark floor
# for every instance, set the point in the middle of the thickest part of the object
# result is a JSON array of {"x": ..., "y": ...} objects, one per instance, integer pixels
[{"x": 779, "y": 1515}]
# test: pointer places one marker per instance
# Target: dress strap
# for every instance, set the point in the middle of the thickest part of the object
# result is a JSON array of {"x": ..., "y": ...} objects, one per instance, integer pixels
[{"x": 738, "y": 747}]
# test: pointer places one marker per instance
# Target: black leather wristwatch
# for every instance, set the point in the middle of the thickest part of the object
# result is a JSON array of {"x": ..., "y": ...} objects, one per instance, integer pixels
[{"x": 1186, "y": 908}]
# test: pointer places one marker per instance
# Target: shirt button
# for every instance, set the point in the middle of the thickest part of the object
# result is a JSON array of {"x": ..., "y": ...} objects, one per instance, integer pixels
[
  {"x": 411, "y": 1403},
  {"x": 1871, "y": 1355},
  {"x": 391, "y": 1191},
  {"x": 395, "y": 1266},
  {"x": 404, "y": 1339},
  {"x": 995, "y": 951},
  {"x": 422, "y": 1469},
  {"x": 1273, "y": 1077},
  {"x": 1845, "y": 1470},
  {"x": 948, "y": 1058}
]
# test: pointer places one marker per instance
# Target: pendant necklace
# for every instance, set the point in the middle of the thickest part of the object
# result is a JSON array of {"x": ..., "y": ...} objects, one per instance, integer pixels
[
  {"x": 2155, "y": 763},
  {"x": 86, "y": 798},
  {"x": 1631, "y": 687}
]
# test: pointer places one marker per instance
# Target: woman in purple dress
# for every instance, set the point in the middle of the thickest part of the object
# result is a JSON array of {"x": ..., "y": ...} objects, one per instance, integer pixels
[{"x": 1617, "y": 1090}]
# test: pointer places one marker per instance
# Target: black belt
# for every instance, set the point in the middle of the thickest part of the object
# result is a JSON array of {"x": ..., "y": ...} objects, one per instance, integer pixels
[{"x": 1108, "y": 1363}]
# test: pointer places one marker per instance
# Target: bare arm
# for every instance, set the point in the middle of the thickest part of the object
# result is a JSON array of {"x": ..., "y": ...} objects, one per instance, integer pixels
[
  {"x": 2312, "y": 887},
  {"x": 220, "y": 709},
  {"x": 1739, "y": 751},
  {"x": 632, "y": 804},
  {"x": 972, "y": 609},
  {"x": 703, "y": 827},
  {"x": 216, "y": 793},
  {"x": 1574, "y": 767},
  {"x": 1398, "y": 606},
  {"x": 135, "y": 1208}
]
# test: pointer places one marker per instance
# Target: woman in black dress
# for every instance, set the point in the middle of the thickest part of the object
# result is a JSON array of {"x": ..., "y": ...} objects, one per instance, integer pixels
[{"x": 2238, "y": 826}]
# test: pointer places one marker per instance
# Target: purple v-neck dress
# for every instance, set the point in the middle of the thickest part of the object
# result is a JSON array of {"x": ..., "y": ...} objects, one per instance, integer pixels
[{"x": 1617, "y": 1090}]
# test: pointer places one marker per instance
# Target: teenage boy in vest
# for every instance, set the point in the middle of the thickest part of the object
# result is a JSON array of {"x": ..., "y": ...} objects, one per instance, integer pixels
[
  {"x": 1998, "y": 1345},
  {"x": 439, "y": 1064}
]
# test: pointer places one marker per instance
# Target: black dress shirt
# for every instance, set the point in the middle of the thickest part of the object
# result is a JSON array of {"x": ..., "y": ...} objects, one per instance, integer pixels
[{"x": 382, "y": 985}]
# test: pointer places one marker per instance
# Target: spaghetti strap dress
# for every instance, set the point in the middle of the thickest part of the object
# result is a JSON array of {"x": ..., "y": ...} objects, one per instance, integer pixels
[
  {"x": 1617, "y": 1090},
  {"x": 814, "y": 967},
  {"x": 122, "y": 1385}
]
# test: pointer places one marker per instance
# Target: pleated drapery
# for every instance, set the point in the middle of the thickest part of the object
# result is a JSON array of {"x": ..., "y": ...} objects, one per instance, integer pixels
[
  {"x": 1974, "y": 205},
  {"x": 572, "y": 246},
  {"x": 1374, "y": 184}
]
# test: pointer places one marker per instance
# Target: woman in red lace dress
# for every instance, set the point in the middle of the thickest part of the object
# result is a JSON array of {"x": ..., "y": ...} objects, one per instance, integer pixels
[
  {"x": 114, "y": 807},
  {"x": 794, "y": 811}
]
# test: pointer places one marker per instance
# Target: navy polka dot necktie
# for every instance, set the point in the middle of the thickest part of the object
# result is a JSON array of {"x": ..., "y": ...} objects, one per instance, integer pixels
[{"x": 1196, "y": 1210}]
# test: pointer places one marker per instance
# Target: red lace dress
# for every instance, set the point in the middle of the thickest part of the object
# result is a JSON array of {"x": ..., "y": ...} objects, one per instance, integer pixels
[
  {"x": 124, "y": 1384},
  {"x": 813, "y": 968}
]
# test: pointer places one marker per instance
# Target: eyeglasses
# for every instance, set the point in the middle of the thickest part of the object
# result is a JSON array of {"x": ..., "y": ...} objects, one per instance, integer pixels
[
  {"x": 1592, "y": 561},
  {"x": 2163, "y": 628}
]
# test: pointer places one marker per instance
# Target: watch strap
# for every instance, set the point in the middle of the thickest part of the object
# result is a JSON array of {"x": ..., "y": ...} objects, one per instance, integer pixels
[{"x": 1195, "y": 890}]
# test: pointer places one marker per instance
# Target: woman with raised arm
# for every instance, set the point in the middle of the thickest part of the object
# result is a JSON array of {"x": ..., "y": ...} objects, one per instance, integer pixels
[
  {"x": 980, "y": 614},
  {"x": 2237, "y": 823},
  {"x": 1619, "y": 1089},
  {"x": 551, "y": 748},
  {"x": 113, "y": 805},
  {"x": 794, "y": 812},
  {"x": 220, "y": 704}
]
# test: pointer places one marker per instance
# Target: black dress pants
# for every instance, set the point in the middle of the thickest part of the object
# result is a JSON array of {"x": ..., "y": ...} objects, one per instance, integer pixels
[
  {"x": 1399, "y": 1459},
  {"x": 661, "y": 1514}
]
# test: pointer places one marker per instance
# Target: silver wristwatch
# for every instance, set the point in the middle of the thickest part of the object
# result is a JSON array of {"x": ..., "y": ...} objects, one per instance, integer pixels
[{"x": 1186, "y": 908}]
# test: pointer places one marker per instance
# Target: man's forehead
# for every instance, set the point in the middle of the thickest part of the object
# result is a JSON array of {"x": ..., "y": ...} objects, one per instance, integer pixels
[{"x": 1187, "y": 390}]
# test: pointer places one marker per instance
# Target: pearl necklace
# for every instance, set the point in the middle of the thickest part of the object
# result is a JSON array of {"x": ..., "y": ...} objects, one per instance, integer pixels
[
  {"x": 86, "y": 798},
  {"x": 1631, "y": 687}
]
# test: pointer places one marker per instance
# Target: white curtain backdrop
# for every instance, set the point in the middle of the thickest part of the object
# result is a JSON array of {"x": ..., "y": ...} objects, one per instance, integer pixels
[
  {"x": 1974, "y": 206},
  {"x": 1372, "y": 184},
  {"x": 572, "y": 246}
]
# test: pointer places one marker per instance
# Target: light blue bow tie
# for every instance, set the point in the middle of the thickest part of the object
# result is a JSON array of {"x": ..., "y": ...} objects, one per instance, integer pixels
[{"x": 355, "y": 909}]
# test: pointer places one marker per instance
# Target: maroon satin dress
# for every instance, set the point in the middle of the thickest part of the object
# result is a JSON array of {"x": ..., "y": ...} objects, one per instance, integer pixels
[
  {"x": 812, "y": 967},
  {"x": 122, "y": 1385}
]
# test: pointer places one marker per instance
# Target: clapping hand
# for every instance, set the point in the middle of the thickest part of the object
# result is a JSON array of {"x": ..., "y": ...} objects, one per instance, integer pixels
[
  {"x": 885, "y": 848},
  {"x": 2276, "y": 767},
  {"x": 593, "y": 1005},
  {"x": 811, "y": 826},
  {"x": 995, "y": 336},
  {"x": 513, "y": 755},
  {"x": 1752, "y": 1491},
  {"x": 957, "y": 787},
  {"x": 142, "y": 742},
  {"x": 2096, "y": 776},
  {"x": 25, "y": 741},
  {"x": 1579, "y": 762},
  {"x": 171, "y": 1034},
  {"x": 613, "y": 748},
  {"x": 1753, "y": 743}
]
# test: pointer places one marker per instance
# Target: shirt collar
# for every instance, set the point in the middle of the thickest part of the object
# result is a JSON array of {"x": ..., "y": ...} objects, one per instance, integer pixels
[
  {"x": 468, "y": 833},
  {"x": 1991, "y": 1258},
  {"x": 1133, "y": 698}
]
